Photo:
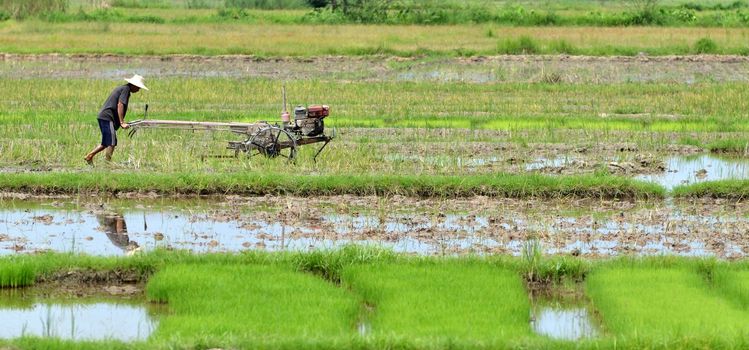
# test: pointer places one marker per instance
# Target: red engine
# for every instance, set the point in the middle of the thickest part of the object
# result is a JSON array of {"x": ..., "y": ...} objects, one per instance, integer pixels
[{"x": 309, "y": 121}]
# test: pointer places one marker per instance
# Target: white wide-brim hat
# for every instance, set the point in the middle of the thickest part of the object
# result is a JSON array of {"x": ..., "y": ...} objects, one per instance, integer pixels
[{"x": 137, "y": 80}]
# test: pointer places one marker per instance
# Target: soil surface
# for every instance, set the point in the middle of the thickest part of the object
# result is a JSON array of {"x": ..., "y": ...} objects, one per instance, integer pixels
[
  {"x": 481, "y": 69},
  {"x": 77, "y": 283}
]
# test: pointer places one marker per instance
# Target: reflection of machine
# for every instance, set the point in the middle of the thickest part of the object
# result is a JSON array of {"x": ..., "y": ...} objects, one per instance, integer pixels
[
  {"x": 115, "y": 228},
  {"x": 260, "y": 138}
]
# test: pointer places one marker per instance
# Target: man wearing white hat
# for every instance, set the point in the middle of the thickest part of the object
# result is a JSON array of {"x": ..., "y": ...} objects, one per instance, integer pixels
[{"x": 112, "y": 116}]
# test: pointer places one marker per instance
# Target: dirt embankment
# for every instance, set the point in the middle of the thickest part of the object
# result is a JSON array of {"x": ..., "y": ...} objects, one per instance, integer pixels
[{"x": 87, "y": 282}]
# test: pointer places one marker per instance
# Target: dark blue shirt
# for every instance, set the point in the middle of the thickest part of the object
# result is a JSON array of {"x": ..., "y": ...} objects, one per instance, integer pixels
[{"x": 109, "y": 110}]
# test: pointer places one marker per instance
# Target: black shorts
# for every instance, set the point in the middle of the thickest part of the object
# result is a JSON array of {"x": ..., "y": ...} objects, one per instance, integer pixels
[{"x": 108, "y": 134}]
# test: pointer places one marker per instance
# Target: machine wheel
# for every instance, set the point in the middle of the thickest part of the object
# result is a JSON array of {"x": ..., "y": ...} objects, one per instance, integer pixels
[{"x": 272, "y": 142}]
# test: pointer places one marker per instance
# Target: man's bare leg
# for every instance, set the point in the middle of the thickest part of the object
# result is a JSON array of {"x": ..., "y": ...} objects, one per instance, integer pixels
[
  {"x": 90, "y": 156},
  {"x": 108, "y": 155}
]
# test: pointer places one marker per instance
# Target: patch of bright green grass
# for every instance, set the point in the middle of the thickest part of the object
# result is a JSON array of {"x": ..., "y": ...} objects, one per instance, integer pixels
[
  {"x": 444, "y": 301},
  {"x": 500, "y": 185},
  {"x": 265, "y": 304},
  {"x": 735, "y": 284},
  {"x": 663, "y": 305},
  {"x": 733, "y": 189},
  {"x": 740, "y": 146}
]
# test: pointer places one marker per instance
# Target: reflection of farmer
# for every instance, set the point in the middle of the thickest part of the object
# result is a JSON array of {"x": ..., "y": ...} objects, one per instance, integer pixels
[
  {"x": 112, "y": 116},
  {"x": 115, "y": 228}
]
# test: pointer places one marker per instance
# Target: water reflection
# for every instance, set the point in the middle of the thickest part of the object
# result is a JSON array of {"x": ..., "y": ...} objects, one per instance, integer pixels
[
  {"x": 115, "y": 227},
  {"x": 95, "y": 321},
  {"x": 562, "y": 316},
  {"x": 568, "y": 227},
  {"x": 706, "y": 167}
]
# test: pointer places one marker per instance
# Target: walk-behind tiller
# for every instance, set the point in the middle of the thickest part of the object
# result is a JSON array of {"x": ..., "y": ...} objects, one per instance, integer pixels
[{"x": 260, "y": 138}]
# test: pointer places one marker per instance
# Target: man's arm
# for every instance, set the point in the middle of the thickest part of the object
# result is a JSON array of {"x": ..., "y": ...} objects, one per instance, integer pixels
[{"x": 121, "y": 115}]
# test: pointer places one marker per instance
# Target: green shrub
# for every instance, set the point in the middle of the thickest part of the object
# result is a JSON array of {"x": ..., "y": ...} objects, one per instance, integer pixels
[
  {"x": 523, "y": 45},
  {"x": 4, "y": 16},
  {"x": 25, "y": 8},
  {"x": 266, "y": 4},
  {"x": 198, "y": 4},
  {"x": 142, "y": 3},
  {"x": 111, "y": 15},
  {"x": 684, "y": 15},
  {"x": 563, "y": 46},
  {"x": 705, "y": 45},
  {"x": 234, "y": 13}
]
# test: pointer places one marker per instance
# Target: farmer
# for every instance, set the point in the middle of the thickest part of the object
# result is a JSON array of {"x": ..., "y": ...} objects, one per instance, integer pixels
[{"x": 112, "y": 116}]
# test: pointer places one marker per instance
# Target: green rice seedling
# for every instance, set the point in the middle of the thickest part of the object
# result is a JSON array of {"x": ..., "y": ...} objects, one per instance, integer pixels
[
  {"x": 733, "y": 189},
  {"x": 268, "y": 304},
  {"x": 442, "y": 302},
  {"x": 502, "y": 185},
  {"x": 734, "y": 283},
  {"x": 737, "y": 146},
  {"x": 531, "y": 254},
  {"x": 330, "y": 263},
  {"x": 663, "y": 305},
  {"x": 17, "y": 272}
]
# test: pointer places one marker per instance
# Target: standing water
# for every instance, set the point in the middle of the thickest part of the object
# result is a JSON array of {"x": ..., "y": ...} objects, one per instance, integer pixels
[
  {"x": 79, "y": 320},
  {"x": 706, "y": 167},
  {"x": 562, "y": 317}
]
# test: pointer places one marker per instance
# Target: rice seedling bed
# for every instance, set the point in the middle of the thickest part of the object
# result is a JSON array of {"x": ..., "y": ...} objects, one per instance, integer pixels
[
  {"x": 666, "y": 305},
  {"x": 369, "y": 298},
  {"x": 734, "y": 283},
  {"x": 263, "y": 304},
  {"x": 441, "y": 302}
]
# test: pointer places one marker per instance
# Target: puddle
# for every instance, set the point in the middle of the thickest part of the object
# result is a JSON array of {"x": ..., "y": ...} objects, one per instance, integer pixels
[
  {"x": 563, "y": 322},
  {"x": 706, "y": 167},
  {"x": 562, "y": 316},
  {"x": 542, "y": 163},
  {"x": 424, "y": 227},
  {"x": 80, "y": 320},
  {"x": 363, "y": 328}
]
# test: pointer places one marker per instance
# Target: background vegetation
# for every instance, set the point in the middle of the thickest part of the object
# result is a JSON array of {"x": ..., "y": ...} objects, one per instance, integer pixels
[{"x": 713, "y": 13}]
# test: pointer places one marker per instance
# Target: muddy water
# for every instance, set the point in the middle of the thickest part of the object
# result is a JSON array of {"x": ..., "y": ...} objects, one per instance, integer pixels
[
  {"x": 693, "y": 169},
  {"x": 82, "y": 319},
  {"x": 426, "y": 227}
]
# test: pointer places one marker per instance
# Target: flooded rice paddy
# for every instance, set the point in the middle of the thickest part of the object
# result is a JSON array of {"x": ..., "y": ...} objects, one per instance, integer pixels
[
  {"x": 75, "y": 319},
  {"x": 426, "y": 227}
]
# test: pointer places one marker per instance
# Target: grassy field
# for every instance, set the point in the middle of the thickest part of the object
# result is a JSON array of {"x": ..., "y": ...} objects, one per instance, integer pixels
[
  {"x": 320, "y": 299},
  {"x": 315, "y": 40}
]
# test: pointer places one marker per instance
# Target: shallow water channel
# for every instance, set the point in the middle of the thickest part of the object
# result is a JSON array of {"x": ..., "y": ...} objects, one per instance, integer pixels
[
  {"x": 426, "y": 227},
  {"x": 75, "y": 319}
]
